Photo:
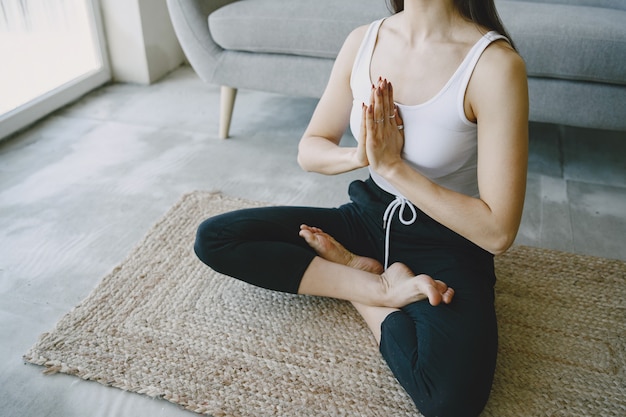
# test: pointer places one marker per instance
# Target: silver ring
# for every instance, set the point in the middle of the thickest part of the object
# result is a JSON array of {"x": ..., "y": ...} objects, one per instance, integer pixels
[
  {"x": 379, "y": 121},
  {"x": 400, "y": 127},
  {"x": 393, "y": 116}
]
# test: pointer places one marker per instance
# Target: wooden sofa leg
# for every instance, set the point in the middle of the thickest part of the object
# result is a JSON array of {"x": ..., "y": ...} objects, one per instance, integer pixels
[{"x": 227, "y": 103}]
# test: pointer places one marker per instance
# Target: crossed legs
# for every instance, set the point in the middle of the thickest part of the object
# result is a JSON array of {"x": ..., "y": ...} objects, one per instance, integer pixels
[
  {"x": 260, "y": 246},
  {"x": 447, "y": 372},
  {"x": 399, "y": 283}
]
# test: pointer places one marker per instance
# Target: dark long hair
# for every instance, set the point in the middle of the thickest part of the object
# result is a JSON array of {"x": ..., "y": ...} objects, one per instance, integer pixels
[{"x": 481, "y": 12}]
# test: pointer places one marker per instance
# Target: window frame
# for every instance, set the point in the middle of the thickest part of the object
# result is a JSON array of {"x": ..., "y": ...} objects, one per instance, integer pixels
[{"x": 34, "y": 110}]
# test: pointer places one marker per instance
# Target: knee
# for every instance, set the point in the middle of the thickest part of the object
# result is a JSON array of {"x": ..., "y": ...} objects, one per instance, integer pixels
[{"x": 206, "y": 244}]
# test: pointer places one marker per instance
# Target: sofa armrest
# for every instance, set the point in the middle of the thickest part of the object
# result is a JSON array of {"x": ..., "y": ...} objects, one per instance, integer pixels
[{"x": 190, "y": 22}]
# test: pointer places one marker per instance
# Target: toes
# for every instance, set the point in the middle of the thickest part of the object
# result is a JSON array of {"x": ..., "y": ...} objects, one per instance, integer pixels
[
  {"x": 312, "y": 229},
  {"x": 307, "y": 235},
  {"x": 436, "y": 291},
  {"x": 440, "y": 285},
  {"x": 434, "y": 296},
  {"x": 446, "y": 292},
  {"x": 447, "y": 296}
]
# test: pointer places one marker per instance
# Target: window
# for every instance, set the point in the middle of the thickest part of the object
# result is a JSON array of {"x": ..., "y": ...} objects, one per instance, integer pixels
[{"x": 51, "y": 52}]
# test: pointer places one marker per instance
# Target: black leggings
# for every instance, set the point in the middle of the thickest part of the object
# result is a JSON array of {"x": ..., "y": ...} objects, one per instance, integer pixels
[{"x": 443, "y": 356}]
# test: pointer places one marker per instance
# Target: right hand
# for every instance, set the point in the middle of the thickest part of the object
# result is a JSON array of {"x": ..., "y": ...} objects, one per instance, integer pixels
[
  {"x": 385, "y": 137},
  {"x": 360, "y": 154}
]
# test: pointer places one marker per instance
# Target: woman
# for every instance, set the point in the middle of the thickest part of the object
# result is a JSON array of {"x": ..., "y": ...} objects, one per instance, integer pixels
[{"x": 437, "y": 99}]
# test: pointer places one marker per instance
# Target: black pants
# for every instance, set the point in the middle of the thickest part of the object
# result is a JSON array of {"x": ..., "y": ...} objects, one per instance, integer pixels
[{"x": 443, "y": 356}]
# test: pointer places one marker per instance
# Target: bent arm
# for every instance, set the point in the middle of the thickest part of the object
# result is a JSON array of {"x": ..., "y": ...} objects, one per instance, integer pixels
[
  {"x": 498, "y": 96},
  {"x": 319, "y": 150}
]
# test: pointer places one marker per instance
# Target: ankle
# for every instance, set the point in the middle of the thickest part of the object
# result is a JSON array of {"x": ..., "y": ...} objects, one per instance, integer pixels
[
  {"x": 351, "y": 260},
  {"x": 384, "y": 293},
  {"x": 364, "y": 264},
  {"x": 399, "y": 287}
]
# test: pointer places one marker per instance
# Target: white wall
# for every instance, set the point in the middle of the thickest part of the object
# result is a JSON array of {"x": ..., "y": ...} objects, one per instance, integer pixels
[{"x": 141, "y": 41}]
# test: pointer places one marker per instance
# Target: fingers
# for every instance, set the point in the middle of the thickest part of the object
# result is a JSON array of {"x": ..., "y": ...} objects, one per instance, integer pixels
[
  {"x": 398, "y": 119},
  {"x": 380, "y": 117},
  {"x": 363, "y": 122},
  {"x": 383, "y": 110},
  {"x": 388, "y": 107},
  {"x": 387, "y": 100},
  {"x": 391, "y": 109},
  {"x": 375, "y": 118},
  {"x": 370, "y": 123}
]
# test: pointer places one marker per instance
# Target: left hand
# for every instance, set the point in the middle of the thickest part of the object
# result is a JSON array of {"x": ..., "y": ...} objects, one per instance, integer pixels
[{"x": 384, "y": 138}]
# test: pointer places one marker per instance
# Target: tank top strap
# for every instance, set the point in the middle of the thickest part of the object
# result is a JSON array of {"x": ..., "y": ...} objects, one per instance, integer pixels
[
  {"x": 361, "y": 68},
  {"x": 475, "y": 54}
]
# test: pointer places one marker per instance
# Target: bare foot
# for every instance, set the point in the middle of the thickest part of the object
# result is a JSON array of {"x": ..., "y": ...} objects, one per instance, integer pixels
[
  {"x": 400, "y": 285},
  {"x": 403, "y": 287},
  {"x": 331, "y": 250}
]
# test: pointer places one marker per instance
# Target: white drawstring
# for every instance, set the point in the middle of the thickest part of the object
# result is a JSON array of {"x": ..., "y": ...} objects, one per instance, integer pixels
[{"x": 387, "y": 217}]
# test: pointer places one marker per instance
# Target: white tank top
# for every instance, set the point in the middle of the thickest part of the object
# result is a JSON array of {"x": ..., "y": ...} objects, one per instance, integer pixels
[{"x": 439, "y": 141}]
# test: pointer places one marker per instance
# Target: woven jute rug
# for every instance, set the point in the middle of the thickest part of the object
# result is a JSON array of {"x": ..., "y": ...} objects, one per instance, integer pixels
[{"x": 164, "y": 325}]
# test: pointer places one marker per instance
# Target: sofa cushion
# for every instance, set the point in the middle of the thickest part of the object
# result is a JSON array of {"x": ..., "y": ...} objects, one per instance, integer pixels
[
  {"x": 295, "y": 27},
  {"x": 556, "y": 40},
  {"x": 608, "y": 4},
  {"x": 568, "y": 42}
]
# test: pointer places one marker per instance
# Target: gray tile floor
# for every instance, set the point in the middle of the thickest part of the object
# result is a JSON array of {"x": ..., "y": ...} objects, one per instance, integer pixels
[{"x": 79, "y": 189}]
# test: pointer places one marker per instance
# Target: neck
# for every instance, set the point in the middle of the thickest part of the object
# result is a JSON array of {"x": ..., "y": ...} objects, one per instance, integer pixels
[{"x": 429, "y": 19}]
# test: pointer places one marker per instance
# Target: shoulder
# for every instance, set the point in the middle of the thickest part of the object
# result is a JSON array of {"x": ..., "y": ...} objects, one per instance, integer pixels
[
  {"x": 347, "y": 55},
  {"x": 499, "y": 80},
  {"x": 353, "y": 41},
  {"x": 358, "y": 34},
  {"x": 500, "y": 61}
]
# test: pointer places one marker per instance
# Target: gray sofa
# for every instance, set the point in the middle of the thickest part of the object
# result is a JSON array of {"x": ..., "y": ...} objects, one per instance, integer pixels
[{"x": 575, "y": 50}]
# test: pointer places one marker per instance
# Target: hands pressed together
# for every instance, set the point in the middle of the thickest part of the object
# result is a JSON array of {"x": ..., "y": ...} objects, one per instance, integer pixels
[{"x": 382, "y": 135}]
